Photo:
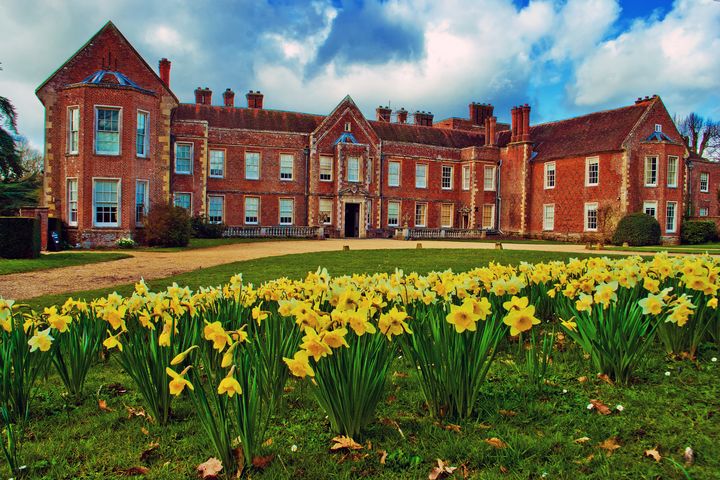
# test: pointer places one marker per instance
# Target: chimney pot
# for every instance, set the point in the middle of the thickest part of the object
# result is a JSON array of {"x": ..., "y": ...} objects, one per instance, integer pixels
[
  {"x": 229, "y": 98},
  {"x": 164, "y": 69},
  {"x": 254, "y": 99},
  {"x": 383, "y": 114},
  {"x": 402, "y": 115}
]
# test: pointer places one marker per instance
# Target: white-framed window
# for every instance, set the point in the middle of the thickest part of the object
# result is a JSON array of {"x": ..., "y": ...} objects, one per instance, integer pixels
[
  {"x": 549, "y": 217},
  {"x": 672, "y": 172},
  {"x": 592, "y": 171},
  {"x": 704, "y": 211},
  {"x": 348, "y": 126},
  {"x": 446, "y": 180},
  {"x": 107, "y": 130},
  {"x": 252, "y": 166},
  {"x": 658, "y": 127},
  {"x": 217, "y": 163},
  {"x": 421, "y": 171},
  {"x": 142, "y": 139},
  {"x": 184, "y": 200},
  {"x": 651, "y": 171},
  {"x": 353, "y": 169},
  {"x": 421, "y": 214},
  {"x": 142, "y": 201},
  {"x": 325, "y": 210},
  {"x": 591, "y": 217},
  {"x": 73, "y": 129},
  {"x": 489, "y": 173},
  {"x": 287, "y": 208},
  {"x": 549, "y": 175},
  {"x": 287, "y": 164},
  {"x": 447, "y": 212},
  {"x": 393, "y": 174},
  {"x": 72, "y": 202},
  {"x": 488, "y": 216},
  {"x": 704, "y": 182},
  {"x": 368, "y": 213},
  {"x": 393, "y": 214},
  {"x": 215, "y": 208},
  {"x": 252, "y": 210},
  {"x": 466, "y": 177},
  {"x": 650, "y": 208},
  {"x": 106, "y": 202},
  {"x": 184, "y": 158},
  {"x": 670, "y": 217},
  {"x": 326, "y": 168}
]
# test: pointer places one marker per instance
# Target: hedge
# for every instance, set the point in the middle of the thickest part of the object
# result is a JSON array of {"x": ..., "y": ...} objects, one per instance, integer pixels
[
  {"x": 167, "y": 226},
  {"x": 19, "y": 237},
  {"x": 637, "y": 229},
  {"x": 698, "y": 231}
]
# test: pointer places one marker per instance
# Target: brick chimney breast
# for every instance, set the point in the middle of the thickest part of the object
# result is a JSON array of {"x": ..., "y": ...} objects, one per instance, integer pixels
[
  {"x": 402, "y": 115},
  {"x": 199, "y": 95},
  {"x": 383, "y": 114},
  {"x": 254, "y": 99},
  {"x": 229, "y": 98},
  {"x": 164, "y": 69}
]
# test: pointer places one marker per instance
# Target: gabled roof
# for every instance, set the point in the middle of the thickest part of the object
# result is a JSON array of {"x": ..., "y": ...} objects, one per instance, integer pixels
[
  {"x": 249, "y": 118},
  {"x": 440, "y": 137}
]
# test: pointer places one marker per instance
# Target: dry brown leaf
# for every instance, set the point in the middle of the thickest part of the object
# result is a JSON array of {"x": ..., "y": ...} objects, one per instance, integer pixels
[
  {"x": 653, "y": 453},
  {"x": 441, "y": 471},
  {"x": 495, "y": 442},
  {"x": 582, "y": 379},
  {"x": 610, "y": 445},
  {"x": 116, "y": 389},
  {"x": 262, "y": 463},
  {"x": 152, "y": 446},
  {"x": 400, "y": 375},
  {"x": 145, "y": 431},
  {"x": 210, "y": 469},
  {"x": 449, "y": 427},
  {"x": 601, "y": 408},
  {"x": 585, "y": 460},
  {"x": 689, "y": 456},
  {"x": 605, "y": 378},
  {"x": 503, "y": 469},
  {"x": 344, "y": 442},
  {"x": 582, "y": 440},
  {"x": 136, "y": 412},
  {"x": 507, "y": 413},
  {"x": 484, "y": 426},
  {"x": 267, "y": 442},
  {"x": 102, "y": 405},
  {"x": 132, "y": 471},
  {"x": 383, "y": 456},
  {"x": 288, "y": 389}
]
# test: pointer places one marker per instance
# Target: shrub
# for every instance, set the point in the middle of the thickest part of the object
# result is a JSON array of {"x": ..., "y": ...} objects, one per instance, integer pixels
[
  {"x": 125, "y": 242},
  {"x": 202, "y": 228},
  {"x": 19, "y": 237},
  {"x": 698, "y": 231},
  {"x": 637, "y": 229},
  {"x": 167, "y": 226}
]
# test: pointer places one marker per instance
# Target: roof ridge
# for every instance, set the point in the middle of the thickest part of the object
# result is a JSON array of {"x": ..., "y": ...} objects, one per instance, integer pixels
[
  {"x": 587, "y": 115},
  {"x": 192, "y": 104}
]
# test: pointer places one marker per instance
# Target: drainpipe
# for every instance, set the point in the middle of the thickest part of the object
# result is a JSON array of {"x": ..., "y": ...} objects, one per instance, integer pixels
[
  {"x": 497, "y": 197},
  {"x": 306, "y": 151},
  {"x": 380, "y": 186}
]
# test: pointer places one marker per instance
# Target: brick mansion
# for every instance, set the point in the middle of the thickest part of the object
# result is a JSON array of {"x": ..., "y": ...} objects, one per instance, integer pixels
[{"x": 118, "y": 141}]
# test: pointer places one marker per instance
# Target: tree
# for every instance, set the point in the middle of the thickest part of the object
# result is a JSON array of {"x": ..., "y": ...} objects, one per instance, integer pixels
[
  {"x": 9, "y": 156},
  {"x": 18, "y": 193},
  {"x": 703, "y": 135},
  {"x": 31, "y": 159}
]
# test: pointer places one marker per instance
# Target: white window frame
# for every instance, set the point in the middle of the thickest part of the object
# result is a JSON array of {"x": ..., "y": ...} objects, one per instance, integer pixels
[
  {"x": 329, "y": 220},
  {"x": 672, "y": 229},
  {"x": 210, "y": 163},
  {"x": 466, "y": 177},
  {"x": 658, "y": 127},
  {"x": 222, "y": 208},
  {"x": 489, "y": 180},
  {"x": 424, "y": 205},
  {"x": 425, "y": 168},
  {"x": 292, "y": 211},
  {"x": 672, "y": 182},
  {"x": 146, "y": 134},
  {"x": 452, "y": 215},
  {"x": 397, "y": 218},
  {"x": 491, "y": 225},
  {"x": 73, "y": 129},
  {"x": 548, "y": 223},
  {"x": 283, "y": 168},
  {"x": 650, "y": 204},
  {"x": 703, "y": 211},
  {"x": 146, "y": 201},
  {"x": 588, "y": 208},
  {"x": 330, "y": 160},
  {"x": 449, "y": 180},
  {"x": 246, "y": 210},
  {"x": 190, "y": 203},
  {"x": 706, "y": 176},
  {"x": 588, "y": 162},
  {"x": 118, "y": 202},
  {"x": 70, "y": 201},
  {"x": 394, "y": 177},
  {"x": 119, "y": 130},
  {"x": 549, "y": 181},
  {"x": 248, "y": 155},
  {"x": 192, "y": 158},
  {"x": 353, "y": 170},
  {"x": 648, "y": 170}
]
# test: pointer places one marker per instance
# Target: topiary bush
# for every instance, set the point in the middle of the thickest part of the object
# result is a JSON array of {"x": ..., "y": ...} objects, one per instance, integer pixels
[
  {"x": 698, "y": 231},
  {"x": 204, "y": 229},
  {"x": 637, "y": 229},
  {"x": 167, "y": 226},
  {"x": 19, "y": 237}
]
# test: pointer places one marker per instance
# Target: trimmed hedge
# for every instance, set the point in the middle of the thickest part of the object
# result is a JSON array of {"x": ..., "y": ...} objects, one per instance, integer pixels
[
  {"x": 167, "y": 226},
  {"x": 637, "y": 229},
  {"x": 204, "y": 229},
  {"x": 19, "y": 237},
  {"x": 698, "y": 231}
]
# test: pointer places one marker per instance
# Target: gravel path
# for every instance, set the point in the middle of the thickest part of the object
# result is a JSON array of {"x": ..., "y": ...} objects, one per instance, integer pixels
[{"x": 152, "y": 265}]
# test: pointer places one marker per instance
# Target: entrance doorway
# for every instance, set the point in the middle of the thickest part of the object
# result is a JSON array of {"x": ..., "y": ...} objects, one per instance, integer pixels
[{"x": 352, "y": 219}]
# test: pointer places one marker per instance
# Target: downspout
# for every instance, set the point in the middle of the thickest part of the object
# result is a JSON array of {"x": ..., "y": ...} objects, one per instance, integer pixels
[
  {"x": 380, "y": 185},
  {"x": 497, "y": 197},
  {"x": 307, "y": 186}
]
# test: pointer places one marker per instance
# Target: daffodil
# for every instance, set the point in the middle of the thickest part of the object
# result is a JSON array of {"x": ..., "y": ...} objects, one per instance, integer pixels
[
  {"x": 393, "y": 323},
  {"x": 516, "y": 303},
  {"x": 258, "y": 314},
  {"x": 299, "y": 365},
  {"x": 521, "y": 320},
  {"x": 180, "y": 357},
  {"x": 178, "y": 382},
  {"x": 584, "y": 303},
  {"x": 215, "y": 333},
  {"x": 112, "y": 341},
  {"x": 463, "y": 317},
  {"x": 229, "y": 384},
  {"x": 652, "y": 305},
  {"x": 569, "y": 324},
  {"x": 314, "y": 344},
  {"x": 358, "y": 321},
  {"x": 41, "y": 340},
  {"x": 335, "y": 338}
]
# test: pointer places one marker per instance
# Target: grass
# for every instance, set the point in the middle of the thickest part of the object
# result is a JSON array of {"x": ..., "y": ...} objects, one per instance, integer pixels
[
  {"x": 337, "y": 263},
  {"x": 712, "y": 248},
  {"x": 668, "y": 413},
  {"x": 57, "y": 260},
  {"x": 196, "y": 243}
]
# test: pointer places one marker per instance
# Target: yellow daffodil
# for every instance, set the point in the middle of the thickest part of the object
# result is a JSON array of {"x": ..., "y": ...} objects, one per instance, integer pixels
[
  {"x": 112, "y": 341},
  {"x": 335, "y": 338},
  {"x": 180, "y": 357},
  {"x": 258, "y": 314},
  {"x": 393, "y": 323},
  {"x": 516, "y": 303},
  {"x": 229, "y": 384},
  {"x": 463, "y": 317},
  {"x": 314, "y": 344},
  {"x": 358, "y": 321},
  {"x": 41, "y": 340},
  {"x": 569, "y": 324},
  {"x": 652, "y": 305},
  {"x": 584, "y": 303},
  {"x": 521, "y": 320},
  {"x": 215, "y": 333},
  {"x": 299, "y": 365},
  {"x": 178, "y": 382}
]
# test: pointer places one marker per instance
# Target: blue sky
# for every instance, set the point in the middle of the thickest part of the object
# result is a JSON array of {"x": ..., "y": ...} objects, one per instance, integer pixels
[{"x": 564, "y": 57}]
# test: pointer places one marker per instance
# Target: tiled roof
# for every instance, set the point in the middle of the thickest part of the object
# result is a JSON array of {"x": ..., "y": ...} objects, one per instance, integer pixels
[
  {"x": 249, "y": 118},
  {"x": 441, "y": 137}
]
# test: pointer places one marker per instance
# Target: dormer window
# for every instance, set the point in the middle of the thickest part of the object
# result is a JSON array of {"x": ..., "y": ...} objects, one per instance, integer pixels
[{"x": 658, "y": 128}]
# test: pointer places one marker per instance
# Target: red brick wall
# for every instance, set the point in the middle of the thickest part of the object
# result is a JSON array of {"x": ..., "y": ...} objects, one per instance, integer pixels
[{"x": 709, "y": 200}]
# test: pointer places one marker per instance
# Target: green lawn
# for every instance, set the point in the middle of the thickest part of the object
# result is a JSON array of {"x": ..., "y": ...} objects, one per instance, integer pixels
[
  {"x": 56, "y": 260},
  {"x": 196, "y": 243},
  {"x": 337, "y": 263},
  {"x": 712, "y": 248}
]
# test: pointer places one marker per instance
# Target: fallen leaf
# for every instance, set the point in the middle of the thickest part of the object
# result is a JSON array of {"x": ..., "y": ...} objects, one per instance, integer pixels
[
  {"x": 689, "y": 456},
  {"x": 267, "y": 442},
  {"x": 383, "y": 456},
  {"x": 145, "y": 431},
  {"x": 601, "y": 408},
  {"x": 582, "y": 379},
  {"x": 262, "y": 462},
  {"x": 391, "y": 399},
  {"x": 605, "y": 378},
  {"x": 132, "y": 471},
  {"x": 495, "y": 442},
  {"x": 400, "y": 375},
  {"x": 136, "y": 412},
  {"x": 582, "y": 440},
  {"x": 585, "y": 460},
  {"x": 610, "y": 445},
  {"x": 507, "y": 413},
  {"x": 503, "y": 469},
  {"x": 102, "y": 405},
  {"x": 149, "y": 450},
  {"x": 449, "y": 426},
  {"x": 441, "y": 471},
  {"x": 392, "y": 423},
  {"x": 344, "y": 442},
  {"x": 116, "y": 389},
  {"x": 484, "y": 426},
  {"x": 288, "y": 389},
  {"x": 210, "y": 469},
  {"x": 653, "y": 453}
]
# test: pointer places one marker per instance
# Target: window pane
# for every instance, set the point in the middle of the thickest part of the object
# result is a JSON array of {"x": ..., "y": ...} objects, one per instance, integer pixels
[
  {"x": 394, "y": 174},
  {"x": 182, "y": 200},
  {"x": 215, "y": 209},
  {"x": 549, "y": 217},
  {"x": 446, "y": 179},
  {"x": 393, "y": 214},
  {"x": 252, "y": 165},
  {"x": 326, "y": 168},
  {"x": 252, "y": 207},
  {"x": 489, "y": 178},
  {"x": 141, "y": 136},
  {"x": 446, "y": 215},
  {"x": 420, "y": 217},
  {"x": 549, "y": 175},
  {"x": 141, "y": 201},
  {"x": 286, "y": 211},
  {"x": 466, "y": 177},
  {"x": 72, "y": 201},
  {"x": 593, "y": 172},
  {"x": 106, "y": 202},
  {"x": 488, "y": 219},
  {"x": 672, "y": 171},
  {"x": 651, "y": 171},
  {"x": 73, "y": 129},
  {"x": 286, "y": 166},
  {"x": 183, "y": 158},
  {"x": 353, "y": 169},
  {"x": 325, "y": 211},
  {"x": 217, "y": 163},
  {"x": 420, "y": 176},
  {"x": 107, "y": 134},
  {"x": 670, "y": 217}
]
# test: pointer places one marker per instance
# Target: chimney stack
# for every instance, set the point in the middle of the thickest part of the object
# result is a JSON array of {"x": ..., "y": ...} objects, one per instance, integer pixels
[
  {"x": 164, "y": 69},
  {"x": 490, "y": 130},
  {"x": 254, "y": 99},
  {"x": 383, "y": 113},
  {"x": 525, "y": 109},
  {"x": 199, "y": 95},
  {"x": 514, "y": 124},
  {"x": 402, "y": 115},
  {"x": 424, "y": 119},
  {"x": 229, "y": 98},
  {"x": 479, "y": 112}
]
